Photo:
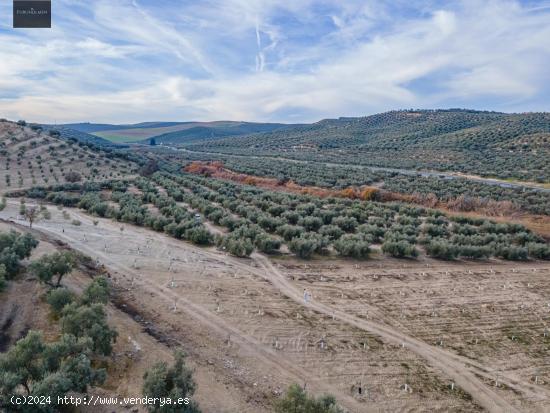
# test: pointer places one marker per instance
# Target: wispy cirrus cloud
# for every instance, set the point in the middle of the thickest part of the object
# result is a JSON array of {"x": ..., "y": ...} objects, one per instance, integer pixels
[{"x": 139, "y": 60}]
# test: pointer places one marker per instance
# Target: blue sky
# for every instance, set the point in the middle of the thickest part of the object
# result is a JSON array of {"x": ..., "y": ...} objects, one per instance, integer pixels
[{"x": 124, "y": 61}]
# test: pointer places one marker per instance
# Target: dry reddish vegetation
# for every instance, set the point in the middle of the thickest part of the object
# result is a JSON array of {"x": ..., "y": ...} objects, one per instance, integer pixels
[
  {"x": 216, "y": 169},
  {"x": 461, "y": 204}
]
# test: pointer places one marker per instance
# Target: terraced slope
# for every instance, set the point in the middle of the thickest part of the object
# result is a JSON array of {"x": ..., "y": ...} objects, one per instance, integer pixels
[{"x": 31, "y": 157}]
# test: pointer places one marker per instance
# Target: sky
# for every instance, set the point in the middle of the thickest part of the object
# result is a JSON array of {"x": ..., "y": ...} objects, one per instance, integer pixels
[{"x": 126, "y": 61}]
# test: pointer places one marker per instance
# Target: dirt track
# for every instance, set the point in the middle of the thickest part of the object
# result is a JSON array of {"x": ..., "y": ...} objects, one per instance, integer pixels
[{"x": 149, "y": 252}]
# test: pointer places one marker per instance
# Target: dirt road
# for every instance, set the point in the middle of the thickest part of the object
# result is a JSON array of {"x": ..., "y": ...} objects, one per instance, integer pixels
[{"x": 465, "y": 373}]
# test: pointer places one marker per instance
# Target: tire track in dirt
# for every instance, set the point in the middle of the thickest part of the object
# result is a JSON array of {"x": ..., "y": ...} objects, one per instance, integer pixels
[
  {"x": 455, "y": 366},
  {"x": 532, "y": 392},
  {"x": 463, "y": 377},
  {"x": 287, "y": 370}
]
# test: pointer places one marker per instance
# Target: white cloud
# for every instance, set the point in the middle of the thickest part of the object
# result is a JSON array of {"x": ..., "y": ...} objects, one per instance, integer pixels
[{"x": 129, "y": 61}]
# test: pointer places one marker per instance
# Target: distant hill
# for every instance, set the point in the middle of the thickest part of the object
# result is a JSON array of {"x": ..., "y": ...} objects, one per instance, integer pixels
[
  {"x": 197, "y": 131},
  {"x": 172, "y": 132},
  {"x": 80, "y": 136},
  {"x": 100, "y": 127},
  {"x": 484, "y": 143}
]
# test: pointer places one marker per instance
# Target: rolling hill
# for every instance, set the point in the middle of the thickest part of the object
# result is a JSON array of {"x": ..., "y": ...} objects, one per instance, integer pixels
[
  {"x": 515, "y": 146},
  {"x": 172, "y": 132},
  {"x": 197, "y": 131}
]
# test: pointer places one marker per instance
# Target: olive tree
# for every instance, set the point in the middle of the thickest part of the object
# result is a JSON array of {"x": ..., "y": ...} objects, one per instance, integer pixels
[
  {"x": 351, "y": 245},
  {"x": 52, "y": 266},
  {"x": 96, "y": 292},
  {"x": 34, "y": 368},
  {"x": 89, "y": 321},
  {"x": 174, "y": 382},
  {"x": 58, "y": 298},
  {"x": 399, "y": 249},
  {"x": 296, "y": 400},
  {"x": 31, "y": 214}
]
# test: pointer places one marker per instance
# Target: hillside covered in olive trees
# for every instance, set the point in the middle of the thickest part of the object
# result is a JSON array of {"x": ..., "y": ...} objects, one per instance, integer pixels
[{"x": 510, "y": 146}]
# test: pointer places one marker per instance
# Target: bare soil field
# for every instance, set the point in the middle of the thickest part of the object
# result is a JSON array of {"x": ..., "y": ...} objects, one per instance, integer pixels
[{"x": 381, "y": 335}]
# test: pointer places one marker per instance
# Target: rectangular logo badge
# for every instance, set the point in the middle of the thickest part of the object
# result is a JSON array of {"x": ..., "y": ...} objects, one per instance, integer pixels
[{"x": 32, "y": 14}]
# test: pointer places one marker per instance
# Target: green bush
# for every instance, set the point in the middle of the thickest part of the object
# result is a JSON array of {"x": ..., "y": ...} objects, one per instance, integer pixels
[
  {"x": 97, "y": 291},
  {"x": 332, "y": 232},
  {"x": 15, "y": 247},
  {"x": 474, "y": 251},
  {"x": 267, "y": 244},
  {"x": 238, "y": 247},
  {"x": 352, "y": 245},
  {"x": 347, "y": 224},
  {"x": 289, "y": 232},
  {"x": 311, "y": 223},
  {"x": 540, "y": 251},
  {"x": 58, "y": 298},
  {"x": 512, "y": 253},
  {"x": 34, "y": 368},
  {"x": 442, "y": 250},
  {"x": 89, "y": 321},
  {"x": 303, "y": 247},
  {"x": 199, "y": 235},
  {"x": 162, "y": 381},
  {"x": 3, "y": 282},
  {"x": 296, "y": 400},
  {"x": 399, "y": 249},
  {"x": 55, "y": 265}
]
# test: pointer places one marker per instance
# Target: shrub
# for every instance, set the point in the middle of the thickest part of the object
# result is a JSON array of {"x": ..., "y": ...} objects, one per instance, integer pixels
[
  {"x": 296, "y": 400},
  {"x": 58, "y": 298},
  {"x": 373, "y": 231},
  {"x": 348, "y": 224},
  {"x": 13, "y": 248},
  {"x": 399, "y": 249},
  {"x": 89, "y": 321},
  {"x": 199, "y": 235},
  {"x": 512, "y": 253},
  {"x": 435, "y": 230},
  {"x": 292, "y": 217},
  {"x": 303, "y": 247},
  {"x": 33, "y": 367},
  {"x": 239, "y": 247},
  {"x": 352, "y": 245},
  {"x": 57, "y": 265},
  {"x": 96, "y": 292},
  {"x": 2, "y": 277},
  {"x": 161, "y": 382},
  {"x": 289, "y": 232},
  {"x": 474, "y": 251},
  {"x": 311, "y": 223},
  {"x": 268, "y": 223},
  {"x": 441, "y": 249},
  {"x": 267, "y": 244},
  {"x": 332, "y": 232},
  {"x": 538, "y": 250},
  {"x": 73, "y": 176}
]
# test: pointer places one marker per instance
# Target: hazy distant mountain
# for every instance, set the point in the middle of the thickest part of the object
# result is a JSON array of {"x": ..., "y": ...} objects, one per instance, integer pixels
[
  {"x": 173, "y": 132},
  {"x": 201, "y": 131}
]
